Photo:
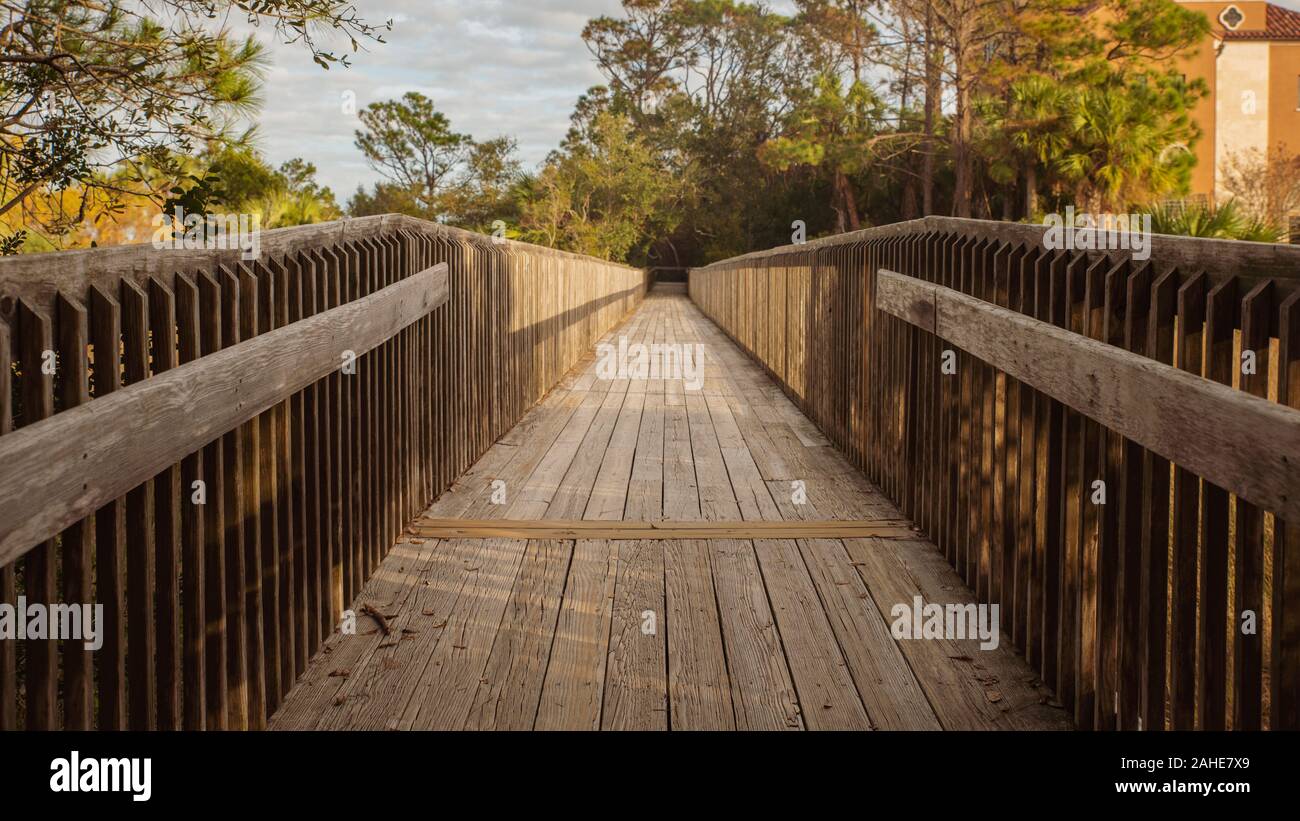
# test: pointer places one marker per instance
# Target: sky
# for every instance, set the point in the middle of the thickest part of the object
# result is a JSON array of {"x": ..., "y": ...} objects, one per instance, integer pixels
[{"x": 494, "y": 67}]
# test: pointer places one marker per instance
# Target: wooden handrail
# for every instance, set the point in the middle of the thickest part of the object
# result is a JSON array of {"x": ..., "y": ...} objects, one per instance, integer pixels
[
  {"x": 61, "y": 469},
  {"x": 1175, "y": 380},
  {"x": 1220, "y": 257},
  {"x": 1238, "y": 441}
]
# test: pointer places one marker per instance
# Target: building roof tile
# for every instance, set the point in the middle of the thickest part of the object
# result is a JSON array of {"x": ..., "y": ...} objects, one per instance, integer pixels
[{"x": 1279, "y": 24}]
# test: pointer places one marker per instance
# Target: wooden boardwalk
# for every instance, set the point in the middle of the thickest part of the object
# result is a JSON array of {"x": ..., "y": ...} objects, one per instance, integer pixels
[{"x": 557, "y": 630}]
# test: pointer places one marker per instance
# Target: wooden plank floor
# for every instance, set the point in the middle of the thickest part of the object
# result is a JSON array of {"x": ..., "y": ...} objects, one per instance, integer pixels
[{"x": 720, "y": 633}]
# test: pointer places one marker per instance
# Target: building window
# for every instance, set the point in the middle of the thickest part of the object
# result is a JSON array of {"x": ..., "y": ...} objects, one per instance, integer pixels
[{"x": 1231, "y": 18}]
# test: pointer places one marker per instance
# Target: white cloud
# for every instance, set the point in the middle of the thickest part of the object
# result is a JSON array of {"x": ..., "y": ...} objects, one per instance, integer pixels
[{"x": 493, "y": 67}]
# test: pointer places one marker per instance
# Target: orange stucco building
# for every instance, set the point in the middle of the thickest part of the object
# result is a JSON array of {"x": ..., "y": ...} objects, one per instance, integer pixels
[{"x": 1251, "y": 63}]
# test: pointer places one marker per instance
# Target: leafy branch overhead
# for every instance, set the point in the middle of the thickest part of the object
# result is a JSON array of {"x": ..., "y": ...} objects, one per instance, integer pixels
[{"x": 107, "y": 99}]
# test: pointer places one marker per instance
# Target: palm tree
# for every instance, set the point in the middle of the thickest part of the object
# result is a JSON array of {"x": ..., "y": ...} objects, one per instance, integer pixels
[
  {"x": 1225, "y": 222},
  {"x": 1029, "y": 131},
  {"x": 1118, "y": 148}
]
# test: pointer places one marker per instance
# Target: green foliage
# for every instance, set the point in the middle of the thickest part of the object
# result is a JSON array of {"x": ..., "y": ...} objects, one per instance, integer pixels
[
  {"x": 238, "y": 181},
  {"x": 603, "y": 194},
  {"x": 720, "y": 122},
  {"x": 411, "y": 144},
  {"x": 1099, "y": 116},
  {"x": 383, "y": 198},
  {"x": 1225, "y": 222},
  {"x": 108, "y": 99},
  {"x": 1126, "y": 144},
  {"x": 834, "y": 130},
  {"x": 431, "y": 171},
  {"x": 13, "y": 243}
]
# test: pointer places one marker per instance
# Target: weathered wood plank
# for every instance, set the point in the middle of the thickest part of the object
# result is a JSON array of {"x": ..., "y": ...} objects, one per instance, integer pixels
[
  {"x": 77, "y": 540},
  {"x": 762, "y": 694},
  {"x": 969, "y": 688},
  {"x": 636, "y": 686},
  {"x": 509, "y": 693},
  {"x": 826, "y": 691},
  {"x": 893, "y": 698},
  {"x": 236, "y": 384},
  {"x": 662, "y": 530},
  {"x": 699, "y": 689},
  {"x": 574, "y": 687},
  {"x": 1216, "y": 432}
]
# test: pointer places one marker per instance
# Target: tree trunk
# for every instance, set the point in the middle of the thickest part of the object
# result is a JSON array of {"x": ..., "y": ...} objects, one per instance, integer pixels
[
  {"x": 850, "y": 202},
  {"x": 931, "y": 102},
  {"x": 963, "y": 162},
  {"x": 1031, "y": 190},
  {"x": 909, "y": 198}
]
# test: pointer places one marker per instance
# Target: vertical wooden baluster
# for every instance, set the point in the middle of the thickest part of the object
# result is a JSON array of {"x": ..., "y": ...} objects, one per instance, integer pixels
[
  {"x": 193, "y": 539},
  {"x": 1028, "y": 558},
  {"x": 1091, "y": 469},
  {"x": 945, "y": 430},
  {"x": 1109, "y": 583},
  {"x": 232, "y": 458},
  {"x": 215, "y": 471},
  {"x": 167, "y": 527},
  {"x": 1049, "y": 529},
  {"x": 110, "y": 661},
  {"x": 1132, "y": 636},
  {"x": 287, "y": 526},
  {"x": 269, "y": 508},
  {"x": 391, "y": 411},
  {"x": 250, "y": 511},
  {"x": 35, "y": 350},
  {"x": 983, "y": 490},
  {"x": 355, "y": 469},
  {"x": 142, "y": 711},
  {"x": 77, "y": 540},
  {"x": 966, "y": 546},
  {"x": 1284, "y": 680},
  {"x": 406, "y": 377},
  {"x": 322, "y": 470},
  {"x": 445, "y": 369},
  {"x": 1186, "y": 521},
  {"x": 1155, "y": 520},
  {"x": 1072, "y": 493},
  {"x": 8, "y": 576},
  {"x": 423, "y": 363},
  {"x": 347, "y": 579},
  {"x": 1221, "y": 317},
  {"x": 331, "y": 429},
  {"x": 370, "y": 372},
  {"x": 305, "y": 537},
  {"x": 1005, "y": 421},
  {"x": 1257, "y": 326}
]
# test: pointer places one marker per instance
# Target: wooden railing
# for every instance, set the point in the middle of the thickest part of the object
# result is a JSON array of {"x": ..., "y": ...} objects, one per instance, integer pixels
[
  {"x": 1137, "y": 526},
  {"x": 221, "y": 452}
]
